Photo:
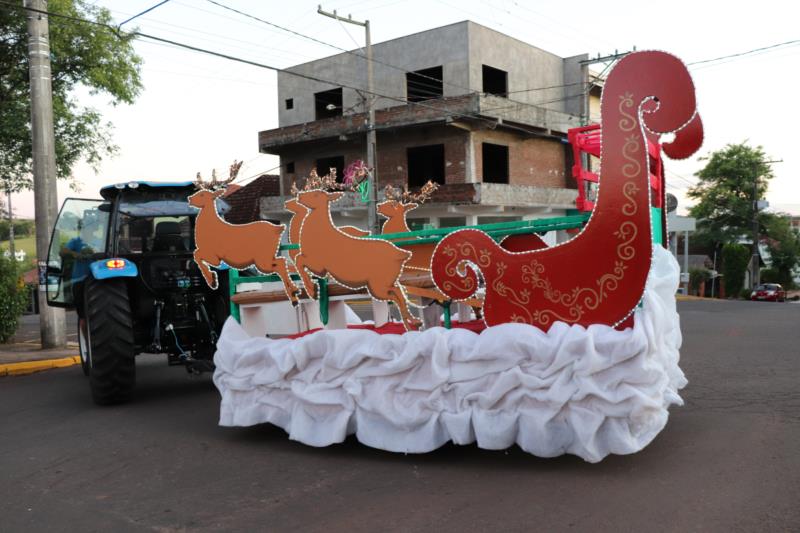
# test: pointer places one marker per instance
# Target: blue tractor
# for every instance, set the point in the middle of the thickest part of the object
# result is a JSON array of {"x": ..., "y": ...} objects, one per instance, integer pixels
[{"x": 125, "y": 264}]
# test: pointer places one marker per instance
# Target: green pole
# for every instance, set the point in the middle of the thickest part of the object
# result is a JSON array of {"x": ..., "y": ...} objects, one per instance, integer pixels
[
  {"x": 323, "y": 300},
  {"x": 233, "y": 279}
]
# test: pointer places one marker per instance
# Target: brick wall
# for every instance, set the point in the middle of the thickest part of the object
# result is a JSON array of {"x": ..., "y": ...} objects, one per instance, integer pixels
[
  {"x": 533, "y": 161},
  {"x": 392, "y": 158}
]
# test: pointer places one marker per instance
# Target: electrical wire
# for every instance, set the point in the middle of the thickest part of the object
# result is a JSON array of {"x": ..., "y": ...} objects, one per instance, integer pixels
[
  {"x": 439, "y": 82},
  {"x": 748, "y": 52}
]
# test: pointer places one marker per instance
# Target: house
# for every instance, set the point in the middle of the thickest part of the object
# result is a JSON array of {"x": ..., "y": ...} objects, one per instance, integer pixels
[
  {"x": 481, "y": 113},
  {"x": 244, "y": 201}
]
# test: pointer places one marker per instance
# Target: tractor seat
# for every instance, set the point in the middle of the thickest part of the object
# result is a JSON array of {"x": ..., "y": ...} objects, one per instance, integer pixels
[{"x": 169, "y": 238}]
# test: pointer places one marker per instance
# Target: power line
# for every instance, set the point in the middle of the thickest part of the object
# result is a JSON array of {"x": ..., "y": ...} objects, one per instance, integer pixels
[
  {"x": 492, "y": 123},
  {"x": 234, "y": 58},
  {"x": 687, "y": 180},
  {"x": 148, "y": 10},
  {"x": 383, "y": 63},
  {"x": 748, "y": 52}
]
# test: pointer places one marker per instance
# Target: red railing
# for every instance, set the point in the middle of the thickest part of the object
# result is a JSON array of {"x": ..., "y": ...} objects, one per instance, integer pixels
[{"x": 587, "y": 140}]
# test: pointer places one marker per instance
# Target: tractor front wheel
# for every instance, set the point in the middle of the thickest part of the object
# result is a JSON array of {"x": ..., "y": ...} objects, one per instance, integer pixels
[{"x": 109, "y": 340}]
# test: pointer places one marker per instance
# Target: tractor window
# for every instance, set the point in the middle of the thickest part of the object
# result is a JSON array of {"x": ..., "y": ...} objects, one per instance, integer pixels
[
  {"x": 154, "y": 234},
  {"x": 155, "y": 203},
  {"x": 156, "y": 220},
  {"x": 79, "y": 235}
]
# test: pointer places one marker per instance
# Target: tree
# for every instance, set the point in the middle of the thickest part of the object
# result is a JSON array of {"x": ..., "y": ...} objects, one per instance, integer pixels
[
  {"x": 783, "y": 243},
  {"x": 734, "y": 264},
  {"x": 83, "y": 56},
  {"x": 724, "y": 193}
]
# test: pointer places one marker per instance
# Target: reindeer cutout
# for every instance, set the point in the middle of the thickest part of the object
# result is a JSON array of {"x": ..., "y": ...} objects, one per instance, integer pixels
[
  {"x": 399, "y": 204},
  {"x": 354, "y": 262},
  {"x": 299, "y": 211},
  {"x": 239, "y": 246},
  {"x": 395, "y": 208}
]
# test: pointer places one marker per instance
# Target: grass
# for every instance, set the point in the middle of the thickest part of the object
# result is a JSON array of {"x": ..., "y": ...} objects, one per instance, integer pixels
[{"x": 23, "y": 243}]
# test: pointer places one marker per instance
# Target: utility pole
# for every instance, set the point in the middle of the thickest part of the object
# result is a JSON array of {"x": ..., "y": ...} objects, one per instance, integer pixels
[
  {"x": 588, "y": 84},
  {"x": 372, "y": 177},
  {"x": 755, "y": 278},
  {"x": 755, "y": 270},
  {"x": 51, "y": 320},
  {"x": 11, "y": 248}
]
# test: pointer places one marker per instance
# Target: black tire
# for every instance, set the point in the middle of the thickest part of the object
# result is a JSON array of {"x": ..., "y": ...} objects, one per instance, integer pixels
[{"x": 111, "y": 361}]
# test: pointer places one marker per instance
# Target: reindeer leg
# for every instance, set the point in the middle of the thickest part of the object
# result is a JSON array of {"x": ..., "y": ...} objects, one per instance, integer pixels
[
  {"x": 279, "y": 265},
  {"x": 308, "y": 284},
  {"x": 202, "y": 264},
  {"x": 396, "y": 295}
]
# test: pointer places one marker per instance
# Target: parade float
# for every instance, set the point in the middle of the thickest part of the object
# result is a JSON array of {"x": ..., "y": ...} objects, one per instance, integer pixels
[{"x": 567, "y": 349}]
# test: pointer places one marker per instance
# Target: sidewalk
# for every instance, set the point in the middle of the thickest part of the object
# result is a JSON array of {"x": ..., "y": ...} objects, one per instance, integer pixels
[
  {"x": 32, "y": 351},
  {"x": 28, "y": 357},
  {"x": 24, "y": 354}
]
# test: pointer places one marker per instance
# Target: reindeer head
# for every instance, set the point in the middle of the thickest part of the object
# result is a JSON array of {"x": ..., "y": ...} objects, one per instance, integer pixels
[
  {"x": 211, "y": 190},
  {"x": 317, "y": 199},
  {"x": 205, "y": 198},
  {"x": 398, "y": 203},
  {"x": 395, "y": 208},
  {"x": 294, "y": 206}
]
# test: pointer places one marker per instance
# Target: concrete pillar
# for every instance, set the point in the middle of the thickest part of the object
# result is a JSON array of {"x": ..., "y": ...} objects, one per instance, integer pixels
[
  {"x": 51, "y": 320},
  {"x": 469, "y": 171}
]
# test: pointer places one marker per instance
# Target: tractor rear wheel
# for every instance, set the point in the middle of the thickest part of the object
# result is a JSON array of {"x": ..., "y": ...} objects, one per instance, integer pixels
[{"x": 109, "y": 332}]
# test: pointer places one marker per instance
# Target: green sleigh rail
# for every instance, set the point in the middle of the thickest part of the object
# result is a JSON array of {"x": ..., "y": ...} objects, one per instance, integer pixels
[{"x": 497, "y": 231}]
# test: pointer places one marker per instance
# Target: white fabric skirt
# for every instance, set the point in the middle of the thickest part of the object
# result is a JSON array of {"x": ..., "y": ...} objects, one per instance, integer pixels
[{"x": 584, "y": 391}]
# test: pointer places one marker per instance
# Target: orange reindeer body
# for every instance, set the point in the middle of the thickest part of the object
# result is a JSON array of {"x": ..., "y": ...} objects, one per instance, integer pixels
[
  {"x": 395, "y": 212},
  {"x": 351, "y": 261},
  {"x": 239, "y": 246},
  {"x": 299, "y": 213}
]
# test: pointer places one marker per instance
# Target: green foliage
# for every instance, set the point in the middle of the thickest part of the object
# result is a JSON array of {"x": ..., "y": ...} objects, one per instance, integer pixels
[
  {"x": 697, "y": 276},
  {"x": 13, "y": 298},
  {"x": 83, "y": 56},
  {"x": 22, "y": 228},
  {"x": 724, "y": 193},
  {"x": 769, "y": 275},
  {"x": 783, "y": 243},
  {"x": 734, "y": 264},
  {"x": 744, "y": 294}
]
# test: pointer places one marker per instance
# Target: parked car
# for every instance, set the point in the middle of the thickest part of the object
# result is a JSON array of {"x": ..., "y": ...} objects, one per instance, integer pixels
[{"x": 771, "y": 292}]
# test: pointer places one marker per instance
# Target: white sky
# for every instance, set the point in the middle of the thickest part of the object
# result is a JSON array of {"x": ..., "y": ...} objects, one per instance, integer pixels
[{"x": 198, "y": 112}]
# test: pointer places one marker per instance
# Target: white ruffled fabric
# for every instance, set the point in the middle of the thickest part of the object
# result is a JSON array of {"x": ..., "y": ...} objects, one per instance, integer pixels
[{"x": 585, "y": 391}]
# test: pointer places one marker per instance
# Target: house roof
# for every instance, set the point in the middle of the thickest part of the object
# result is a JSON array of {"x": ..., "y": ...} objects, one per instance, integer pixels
[{"x": 245, "y": 202}]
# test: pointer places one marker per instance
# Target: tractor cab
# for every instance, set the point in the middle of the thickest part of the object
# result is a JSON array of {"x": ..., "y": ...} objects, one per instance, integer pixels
[{"x": 125, "y": 263}]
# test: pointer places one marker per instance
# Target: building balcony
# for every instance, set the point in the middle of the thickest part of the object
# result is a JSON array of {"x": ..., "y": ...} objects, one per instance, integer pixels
[
  {"x": 465, "y": 198},
  {"x": 471, "y": 111}
]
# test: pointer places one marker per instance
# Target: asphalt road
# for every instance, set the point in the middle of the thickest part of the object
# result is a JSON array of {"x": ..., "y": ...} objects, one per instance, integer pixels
[{"x": 729, "y": 460}]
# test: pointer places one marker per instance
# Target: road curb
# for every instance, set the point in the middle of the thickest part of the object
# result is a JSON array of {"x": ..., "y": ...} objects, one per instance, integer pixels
[{"x": 29, "y": 367}]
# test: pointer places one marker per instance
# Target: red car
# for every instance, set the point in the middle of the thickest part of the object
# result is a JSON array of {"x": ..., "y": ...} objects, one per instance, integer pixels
[{"x": 771, "y": 292}]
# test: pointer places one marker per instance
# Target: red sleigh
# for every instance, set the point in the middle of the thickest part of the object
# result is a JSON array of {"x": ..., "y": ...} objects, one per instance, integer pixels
[{"x": 599, "y": 276}]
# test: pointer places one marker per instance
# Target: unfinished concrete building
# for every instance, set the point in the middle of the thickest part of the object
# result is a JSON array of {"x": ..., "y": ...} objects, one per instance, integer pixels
[{"x": 481, "y": 113}]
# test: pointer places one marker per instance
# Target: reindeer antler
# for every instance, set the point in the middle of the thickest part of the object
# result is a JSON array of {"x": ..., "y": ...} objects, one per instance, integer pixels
[
  {"x": 233, "y": 171},
  {"x": 424, "y": 193},
  {"x": 326, "y": 183},
  {"x": 406, "y": 197}
]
